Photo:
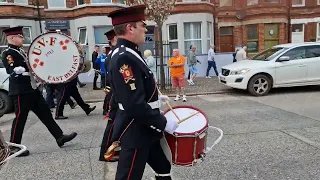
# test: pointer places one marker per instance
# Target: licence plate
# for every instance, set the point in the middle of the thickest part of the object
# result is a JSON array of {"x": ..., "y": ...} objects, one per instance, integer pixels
[{"x": 222, "y": 78}]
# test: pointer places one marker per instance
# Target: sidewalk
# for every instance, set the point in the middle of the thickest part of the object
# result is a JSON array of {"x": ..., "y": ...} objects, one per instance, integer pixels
[{"x": 203, "y": 86}]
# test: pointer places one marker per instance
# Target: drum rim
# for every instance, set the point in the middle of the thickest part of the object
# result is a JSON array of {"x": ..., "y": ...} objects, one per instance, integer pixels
[
  {"x": 191, "y": 107},
  {"x": 30, "y": 68}
]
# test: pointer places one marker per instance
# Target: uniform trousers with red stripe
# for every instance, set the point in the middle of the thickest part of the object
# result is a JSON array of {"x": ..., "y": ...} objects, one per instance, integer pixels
[
  {"x": 106, "y": 140},
  {"x": 132, "y": 162},
  {"x": 35, "y": 102}
]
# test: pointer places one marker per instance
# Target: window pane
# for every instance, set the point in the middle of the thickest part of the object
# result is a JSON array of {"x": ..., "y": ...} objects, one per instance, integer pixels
[
  {"x": 3, "y": 0},
  {"x": 173, "y": 45},
  {"x": 252, "y": 2},
  {"x": 27, "y": 35},
  {"x": 3, "y": 38},
  {"x": 312, "y": 51},
  {"x": 82, "y": 36},
  {"x": 208, "y": 44},
  {"x": 252, "y": 32},
  {"x": 271, "y": 31},
  {"x": 297, "y": 2},
  {"x": 272, "y": 1},
  {"x": 173, "y": 32},
  {"x": 297, "y": 27},
  {"x": 192, "y": 30},
  {"x": 196, "y": 43},
  {"x": 21, "y": 1},
  {"x": 225, "y": 31},
  {"x": 80, "y": 2},
  {"x": 225, "y": 3},
  {"x": 100, "y": 1},
  {"x": 269, "y": 44},
  {"x": 296, "y": 53},
  {"x": 99, "y": 36},
  {"x": 253, "y": 46},
  {"x": 209, "y": 30},
  {"x": 56, "y": 3}
]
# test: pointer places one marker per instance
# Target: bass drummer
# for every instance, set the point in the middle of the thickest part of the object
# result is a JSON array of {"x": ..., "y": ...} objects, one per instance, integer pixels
[{"x": 25, "y": 93}]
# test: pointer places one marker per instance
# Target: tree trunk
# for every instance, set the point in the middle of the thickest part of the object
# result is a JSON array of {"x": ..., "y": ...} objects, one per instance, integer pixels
[{"x": 162, "y": 76}]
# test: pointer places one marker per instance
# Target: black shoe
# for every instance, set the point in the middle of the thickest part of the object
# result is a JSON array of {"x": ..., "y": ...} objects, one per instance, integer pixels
[
  {"x": 74, "y": 105},
  {"x": 66, "y": 138},
  {"x": 163, "y": 178},
  {"x": 113, "y": 159},
  {"x": 90, "y": 109},
  {"x": 96, "y": 88},
  {"x": 82, "y": 85},
  {"x": 14, "y": 150},
  {"x": 61, "y": 117}
]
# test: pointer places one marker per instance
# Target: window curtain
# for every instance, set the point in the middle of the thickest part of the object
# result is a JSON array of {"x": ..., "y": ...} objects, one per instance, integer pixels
[{"x": 192, "y": 36}]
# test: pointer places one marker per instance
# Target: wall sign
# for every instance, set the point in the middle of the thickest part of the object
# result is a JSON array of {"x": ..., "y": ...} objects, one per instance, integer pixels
[{"x": 57, "y": 24}]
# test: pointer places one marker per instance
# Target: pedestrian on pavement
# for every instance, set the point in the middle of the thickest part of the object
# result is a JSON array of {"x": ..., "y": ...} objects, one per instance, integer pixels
[
  {"x": 51, "y": 90},
  {"x": 100, "y": 62},
  {"x": 111, "y": 107},
  {"x": 25, "y": 93},
  {"x": 241, "y": 54},
  {"x": 211, "y": 61},
  {"x": 192, "y": 62},
  {"x": 189, "y": 69},
  {"x": 234, "y": 55},
  {"x": 151, "y": 62},
  {"x": 95, "y": 66},
  {"x": 139, "y": 125},
  {"x": 177, "y": 73},
  {"x": 70, "y": 89}
]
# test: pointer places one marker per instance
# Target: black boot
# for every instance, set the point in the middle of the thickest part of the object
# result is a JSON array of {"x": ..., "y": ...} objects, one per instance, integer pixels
[
  {"x": 90, "y": 109},
  {"x": 66, "y": 138},
  {"x": 163, "y": 177},
  {"x": 14, "y": 150},
  {"x": 61, "y": 117}
]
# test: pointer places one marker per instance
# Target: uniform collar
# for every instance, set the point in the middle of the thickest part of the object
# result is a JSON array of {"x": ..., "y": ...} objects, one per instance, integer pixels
[
  {"x": 14, "y": 46},
  {"x": 127, "y": 43}
]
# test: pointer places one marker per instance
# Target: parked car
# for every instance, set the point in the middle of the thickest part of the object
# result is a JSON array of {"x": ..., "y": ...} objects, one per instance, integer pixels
[
  {"x": 285, "y": 65},
  {"x": 6, "y": 104}
]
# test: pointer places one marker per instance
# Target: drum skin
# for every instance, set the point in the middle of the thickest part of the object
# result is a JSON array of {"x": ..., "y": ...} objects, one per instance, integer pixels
[{"x": 186, "y": 147}]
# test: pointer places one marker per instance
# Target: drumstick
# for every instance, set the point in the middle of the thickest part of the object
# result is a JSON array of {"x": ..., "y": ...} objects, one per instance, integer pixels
[
  {"x": 182, "y": 120},
  {"x": 170, "y": 107}
]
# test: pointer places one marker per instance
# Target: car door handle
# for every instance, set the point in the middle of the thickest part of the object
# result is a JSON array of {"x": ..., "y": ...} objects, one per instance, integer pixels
[{"x": 302, "y": 65}]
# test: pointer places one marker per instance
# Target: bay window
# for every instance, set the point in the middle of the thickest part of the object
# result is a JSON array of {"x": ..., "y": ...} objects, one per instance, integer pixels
[
  {"x": 192, "y": 36},
  {"x": 56, "y": 3},
  {"x": 173, "y": 36}
]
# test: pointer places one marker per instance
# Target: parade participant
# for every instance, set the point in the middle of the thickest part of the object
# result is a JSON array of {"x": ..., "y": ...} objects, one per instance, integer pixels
[
  {"x": 25, "y": 93},
  {"x": 70, "y": 89},
  {"x": 109, "y": 104},
  {"x": 139, "y": 120}
]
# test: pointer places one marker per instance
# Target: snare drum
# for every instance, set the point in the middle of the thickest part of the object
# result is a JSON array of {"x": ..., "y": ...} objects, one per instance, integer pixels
[{"x": 188, "y": 143}]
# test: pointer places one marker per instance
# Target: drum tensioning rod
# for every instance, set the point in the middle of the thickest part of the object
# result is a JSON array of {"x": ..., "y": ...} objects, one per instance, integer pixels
[
  {"x": 170, "y": 107},
  {"x": 182, "y": 120}
]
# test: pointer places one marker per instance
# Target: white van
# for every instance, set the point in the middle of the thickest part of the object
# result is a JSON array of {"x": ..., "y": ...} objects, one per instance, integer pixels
[{"x": 6, "y": 104}]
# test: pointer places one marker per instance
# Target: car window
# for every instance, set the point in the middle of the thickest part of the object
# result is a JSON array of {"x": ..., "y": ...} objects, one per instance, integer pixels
[
  {"x": 312, "y": 51},
  {"x": 269, "y": 54},
  {"x": 296, "y": 53}
]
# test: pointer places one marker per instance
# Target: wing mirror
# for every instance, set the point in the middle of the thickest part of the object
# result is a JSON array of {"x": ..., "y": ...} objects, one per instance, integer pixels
[{"x": 284, "y": 58}]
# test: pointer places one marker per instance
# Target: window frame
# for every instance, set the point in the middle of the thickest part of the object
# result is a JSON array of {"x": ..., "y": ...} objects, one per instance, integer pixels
[
  {"x": 65, "y": 4},
  {"x": 272, "y": 39},
  {"x": 318, "y": 2},
  {"x": 191, "y": 32},
  {"x": 86, "y": 39},
  {"x": 210, "y": 34},
  {"x": 101, "y": 3},
  {"x": 253, "y": 40},
  {"x": 6, "y": 1},
  {"x": 232, "y": 4},
  {"x": 253, "y": 4},
  {"x": 30, "y": 33},
  {"x": 25, "y": 3},
  {"x": 84, "y": 2},
  {"x": 168, "y": 33},
  {"x": 272, "y": 2},
  {"x": 104, "y": 26},
  {"x": 300, "y": 5},
  {"x": 318, "y": 32}
]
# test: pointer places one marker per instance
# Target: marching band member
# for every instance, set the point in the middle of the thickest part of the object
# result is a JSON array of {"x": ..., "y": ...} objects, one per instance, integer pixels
[
  {"x": 139, "y": 124},
  {"x": 70, "y": 89},
  {"x": 109, "y": 104},
  {"x": 25, "y": 93}
]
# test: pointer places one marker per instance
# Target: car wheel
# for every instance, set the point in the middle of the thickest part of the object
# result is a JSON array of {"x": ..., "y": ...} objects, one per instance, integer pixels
[
  {"x": 259, "y": 85},
  {"x": 5, "y": 103}
]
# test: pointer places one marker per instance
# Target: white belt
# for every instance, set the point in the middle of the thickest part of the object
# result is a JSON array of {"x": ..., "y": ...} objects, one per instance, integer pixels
[
  {"x": 153, "y": 105},
  {"x": 25, "y": 74}
]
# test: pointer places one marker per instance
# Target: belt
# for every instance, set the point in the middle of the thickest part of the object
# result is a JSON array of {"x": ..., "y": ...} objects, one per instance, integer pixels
[
  {"x": 25, "y": 74},
  {"x": 153, "y": 105}
]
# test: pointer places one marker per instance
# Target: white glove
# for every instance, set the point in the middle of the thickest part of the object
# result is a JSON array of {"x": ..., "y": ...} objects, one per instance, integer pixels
[
  {"x": 171, "y": 126},
  {"x": 164, "y": 98},
  {"x": 19, "y": 70}
]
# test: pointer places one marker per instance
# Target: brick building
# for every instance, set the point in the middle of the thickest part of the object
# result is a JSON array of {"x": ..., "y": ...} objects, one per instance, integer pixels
[{"x": 258, "y": 24}]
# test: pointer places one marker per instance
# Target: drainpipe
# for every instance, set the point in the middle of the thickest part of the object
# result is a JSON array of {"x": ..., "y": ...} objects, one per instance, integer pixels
[
  {"x": 214, "y": 24},
  {"x": 289, "y": 21},
  {"x": 39, "y": 15}
]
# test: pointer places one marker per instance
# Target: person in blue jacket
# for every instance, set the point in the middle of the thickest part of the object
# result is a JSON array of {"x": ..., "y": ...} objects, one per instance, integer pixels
[{"x": 100, "y": 61}]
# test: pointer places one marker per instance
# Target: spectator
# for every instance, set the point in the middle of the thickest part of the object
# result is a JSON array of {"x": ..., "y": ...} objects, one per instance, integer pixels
[
  {"x": 189, "y": 70},
  {"x": 151, "y": 62},
  {"x": 234, "y": 55},
  {"x": 95, "y": 66},
  {"x": 241, "y": 54},
  {"x": 211, "y": 61},
  {"x": 192, "y": 61},
  {"x": 100, "y": 62},
  {"x": 177, "y": 72}
]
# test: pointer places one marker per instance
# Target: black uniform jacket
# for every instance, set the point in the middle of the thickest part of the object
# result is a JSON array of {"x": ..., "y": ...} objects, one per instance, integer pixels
[
  {"x": 133, "y": 88},
  {"x": 13, "y": 57}
]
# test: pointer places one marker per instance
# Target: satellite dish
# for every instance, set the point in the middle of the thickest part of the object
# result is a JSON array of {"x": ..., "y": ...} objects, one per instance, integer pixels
[{"x": 241, "y": 14}]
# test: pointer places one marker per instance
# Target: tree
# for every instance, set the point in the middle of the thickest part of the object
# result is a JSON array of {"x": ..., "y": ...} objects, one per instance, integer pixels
[{"x": 157, "y": 11}]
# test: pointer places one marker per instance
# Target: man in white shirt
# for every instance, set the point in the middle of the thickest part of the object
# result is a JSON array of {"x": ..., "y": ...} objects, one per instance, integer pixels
[
  {"x": 211, "y": 62},
  {"x": 241, "y": 54}
]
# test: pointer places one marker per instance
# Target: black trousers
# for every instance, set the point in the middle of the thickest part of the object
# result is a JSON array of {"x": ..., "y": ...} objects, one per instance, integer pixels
[
  {"x": 212, "y": 64},
  {"x": 65, "y": 94},
  {"x": 132, "y": 162},
  {"x": 22, "y": 105},
  {"x": 96, "y": 75},
  {"x": 106, "y": 140},
  {"x": 50, "y": 88},
  {"x": 103, "y": 81}
]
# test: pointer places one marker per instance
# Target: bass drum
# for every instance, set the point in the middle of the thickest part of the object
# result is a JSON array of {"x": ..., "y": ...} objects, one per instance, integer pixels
[{"x": 55, "y": 58}]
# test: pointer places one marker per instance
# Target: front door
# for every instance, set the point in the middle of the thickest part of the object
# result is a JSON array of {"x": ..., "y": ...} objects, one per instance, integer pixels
[
  {"x": 226, "y": 39},
  {"x": 293, "y": 71},
  {"x": 297, "y": 35}
]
